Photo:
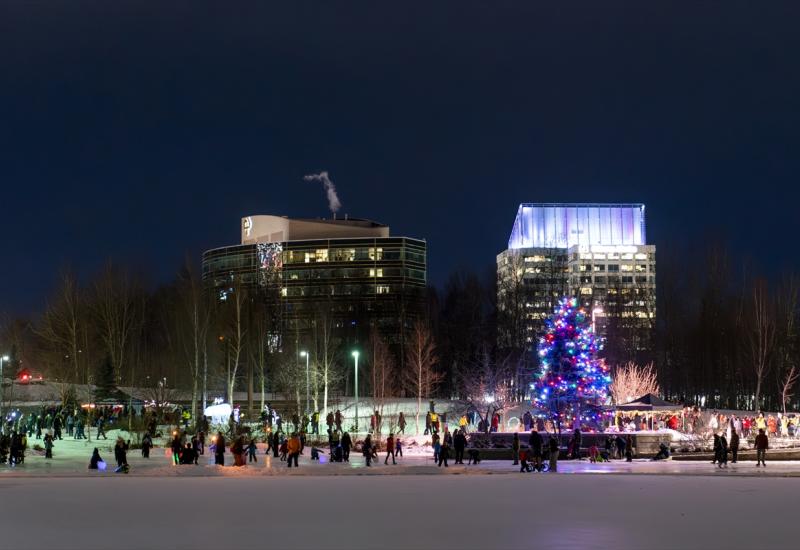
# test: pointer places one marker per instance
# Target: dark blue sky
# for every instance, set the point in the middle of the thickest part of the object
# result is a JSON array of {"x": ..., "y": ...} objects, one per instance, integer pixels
[{"x": 145, "y": 134}]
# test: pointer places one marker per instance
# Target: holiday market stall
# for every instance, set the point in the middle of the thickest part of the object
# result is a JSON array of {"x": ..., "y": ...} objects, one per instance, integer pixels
[{"x": 647, "y": 408}]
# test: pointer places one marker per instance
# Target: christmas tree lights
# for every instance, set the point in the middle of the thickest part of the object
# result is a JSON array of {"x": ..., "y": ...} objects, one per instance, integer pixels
[{"x": 571, "y": 380}]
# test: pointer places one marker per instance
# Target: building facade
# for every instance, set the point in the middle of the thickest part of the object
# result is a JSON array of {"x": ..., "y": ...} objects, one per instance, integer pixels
[
  {"x": 595, "y": 252},
  {"x": 349, "y": 272}
]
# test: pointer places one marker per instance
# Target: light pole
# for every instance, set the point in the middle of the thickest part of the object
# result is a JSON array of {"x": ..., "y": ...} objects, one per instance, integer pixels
[
  {"x": 355, "y": 355},
  {"x": 3, "y": 360},
  {"x": 306, "y": 355}
]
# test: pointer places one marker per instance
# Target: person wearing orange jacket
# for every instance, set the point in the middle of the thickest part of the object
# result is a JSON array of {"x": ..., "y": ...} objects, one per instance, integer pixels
[{"x": 293, "y": 449}]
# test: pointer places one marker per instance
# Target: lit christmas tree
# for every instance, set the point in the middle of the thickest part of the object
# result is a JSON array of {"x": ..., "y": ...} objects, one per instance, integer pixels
[{"x": 572, "y": 380}]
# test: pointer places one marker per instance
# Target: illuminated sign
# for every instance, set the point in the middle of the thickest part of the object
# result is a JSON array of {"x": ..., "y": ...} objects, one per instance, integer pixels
[{"x": 247, "y": 225}]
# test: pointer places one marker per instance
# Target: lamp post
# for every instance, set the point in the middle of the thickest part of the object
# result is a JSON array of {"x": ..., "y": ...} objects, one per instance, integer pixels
[
  {"x": 306, "y": 355},
  {"x": 355, "y": 356},
  {"x": 3, "y": 360}
]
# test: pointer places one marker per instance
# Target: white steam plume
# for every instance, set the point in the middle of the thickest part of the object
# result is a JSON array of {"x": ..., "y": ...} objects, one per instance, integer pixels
[{"x": 333, "y": 199}]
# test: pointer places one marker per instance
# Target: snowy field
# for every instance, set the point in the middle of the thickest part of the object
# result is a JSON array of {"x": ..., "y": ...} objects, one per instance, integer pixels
[{"x": 403, "y": 512}]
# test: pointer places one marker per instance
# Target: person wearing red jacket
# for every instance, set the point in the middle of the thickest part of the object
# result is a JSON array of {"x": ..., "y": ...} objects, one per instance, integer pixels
[
  {"x": 762, "y": 444},
  {"x": 390, "y": 449}
]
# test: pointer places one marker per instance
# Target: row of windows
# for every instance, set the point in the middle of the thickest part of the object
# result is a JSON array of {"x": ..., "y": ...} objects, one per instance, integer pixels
[
  {"x": 611, "y": 279},
  {"x": 614, "y": 256},
  {"x": 615, "y": 268},
  {"x": 371, "y": 253},
  {"x": 335, "y": 290},
  {"x": 353, "y": 273}
]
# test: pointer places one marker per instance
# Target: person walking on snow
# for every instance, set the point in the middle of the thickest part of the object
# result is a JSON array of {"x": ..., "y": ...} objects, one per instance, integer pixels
[
  {"x": 366, "y": 449},
  {"x": 252, "y": 449},
  {"x": 447, "y": 442}
]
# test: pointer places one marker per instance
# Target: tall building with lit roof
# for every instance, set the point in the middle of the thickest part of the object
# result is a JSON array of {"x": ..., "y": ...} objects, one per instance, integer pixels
[{"x": 595, "y": 252}]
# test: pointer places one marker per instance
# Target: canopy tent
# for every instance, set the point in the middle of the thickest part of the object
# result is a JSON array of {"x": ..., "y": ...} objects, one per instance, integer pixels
[
  {"x": 649, "y": 403},
  {"x": 647, "y": 406}
]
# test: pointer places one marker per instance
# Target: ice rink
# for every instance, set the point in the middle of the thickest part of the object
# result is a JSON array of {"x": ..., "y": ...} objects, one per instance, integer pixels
[{"x": 400, "y": 511}]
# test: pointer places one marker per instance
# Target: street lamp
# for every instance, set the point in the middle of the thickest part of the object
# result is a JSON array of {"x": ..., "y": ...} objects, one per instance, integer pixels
[
  {"x": 3, "y": 360},
  {"x": 355, "y": 356},
  {"x": 306, "y": 355}
]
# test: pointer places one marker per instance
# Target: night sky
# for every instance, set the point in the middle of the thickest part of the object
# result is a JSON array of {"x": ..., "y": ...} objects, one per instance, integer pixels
[{"x": 146, "y": 134}]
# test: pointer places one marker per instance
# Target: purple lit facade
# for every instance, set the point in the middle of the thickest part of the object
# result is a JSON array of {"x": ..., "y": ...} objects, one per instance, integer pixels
[{"x": 563, "y": 225}]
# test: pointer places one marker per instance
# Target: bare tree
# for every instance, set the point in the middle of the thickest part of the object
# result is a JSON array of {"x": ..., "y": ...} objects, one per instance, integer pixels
[
  {"x": 383, "y": 367},
  {"x": 786, "y": 338},
  {"x": 419, "y": 375},
  {"x": 62, "y": 331},
  {"x": 489, "y": 385},
  {"x": 327, "y": 348},
  {"x": 196, "y": 317},
  {"x": 761, "y": 335},
  {"x": 788, "y": 382},
  {"x": 630, "y": 381},
  {"x": 115, "y": 312},
  {"x": 235, "y": 334}
]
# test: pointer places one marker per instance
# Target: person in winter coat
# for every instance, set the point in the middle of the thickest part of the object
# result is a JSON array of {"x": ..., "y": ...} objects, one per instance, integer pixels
[
  {"x": 447, "y": 442},
  {"x": 723, "y": 451},
  {"x": 252, "y": 449},
  {"x": 93, "y": 462},
  {"x": 577, "y": 439},
  {"x": 121, "y": 452},
  {"x": 428, "y": 423},
  {"x": 176, "y": 447},
  {"x": 437, "y": 447},
  {"x": 553, "y": 447},
  {"x": 147, "y": 444},
  {"x": 293, "y": 447},
  {"x": 734, "y": 445},
  {"x": 57, "y": 427},
  {"x": 762, "y": 444},
  {"x": 535, "y": 449},
  {"x": 48, "y": 446},
  {"x": 459, "y": 444},
  {"x": 219, "y": 450},
  {"x": 238, "y": 450},
  {"x": 346, "y": 444},
  {"x": 515, "y": 449},
  {"x": 390, "y": 449},
  {"x": 621, "y": 447},
  {"x": 398, "y": 447},
  {"x": 628, "y": 448},
  {"x": 366, "y": 449},
  {"x": 401, "y": 424},
  {"x": 717, "y": 449}
]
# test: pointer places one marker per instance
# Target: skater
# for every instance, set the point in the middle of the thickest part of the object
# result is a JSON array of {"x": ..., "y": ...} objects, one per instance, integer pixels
[
  {"x": 523, "y": 461},
  {"x": 337, "y": 417},
  {"x": 553, "y": 447},
  {"x": 219, "y": 450},
  {"x": 628, "y": 448},
  {"x": 176, "y": 447},
  {"x": 535, "y": 449},
  {"x": 57, "y": 427},
  {"x": 428, "y": 423},
  {"x": 437, "y": 447},
  {"x": 48, "y": 446},
  {"x": 95, "y": 460},
  {"x": 576, "y": 444},
  {"x": 447, "y": 442},
  {"x": 202, "y": 437},
  {"x": 734, "y": 446},
  {"x": 459, "y": 444},
  {"x": 663, "y": 452},
  {"x": 515, "y": 449},
  {"x": 401, "y": 424},
  {"x": 100, "y": 428},
  {"x": 716, "y": 448},
  {"x": 398, "y": 447},
  {"x": 252, "y": 449},
  {"x": 390, "y": 449},
  {"x": 293, "y": 449},
  {"x": 121, "y": 454},
  {"x": 723, "y": 451},
  {"x": 147, "y": 444},
  {"x": 762, "y": 444},
  {"x": 276, "y": 444},
  {"x": 346, "y": 444},
  {"x": 366, "y": 449},
  {"x": 238, "y": 450}
]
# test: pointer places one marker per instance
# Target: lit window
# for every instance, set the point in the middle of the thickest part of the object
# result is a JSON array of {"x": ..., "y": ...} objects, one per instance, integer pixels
[
  {"x": 322, "y": 255},
  {"x": 309, "y": 257},
  {"x": 586, "y": 256},
  {"x": 586, "y": 290},
  {"x": 375, "y": 253},
  {"x": 382, "y": 289},
  {"x": 627, "y": 256},
  {"x": 641, "y": 256},
  {"x": 599, "y": 256},
  {"x": 586, "y": 267},
  {"x": 626, "y": 267},
  {"x": 376, "y": 272},
  {"x": 640, "y": 268},
  {"x": 599, "y": 268},
  {"x": 284, "y": 291},
  {"x": 613, "y": 256}
]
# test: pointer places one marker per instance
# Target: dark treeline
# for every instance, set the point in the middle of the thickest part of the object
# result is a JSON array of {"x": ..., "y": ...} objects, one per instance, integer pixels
[{"x": 724, "y": 337}]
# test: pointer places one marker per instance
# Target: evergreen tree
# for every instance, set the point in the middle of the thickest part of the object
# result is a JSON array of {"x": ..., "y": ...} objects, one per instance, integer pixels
[
  {"x": 104, "y": 379},
  {"x": 571, "y": 379}
]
